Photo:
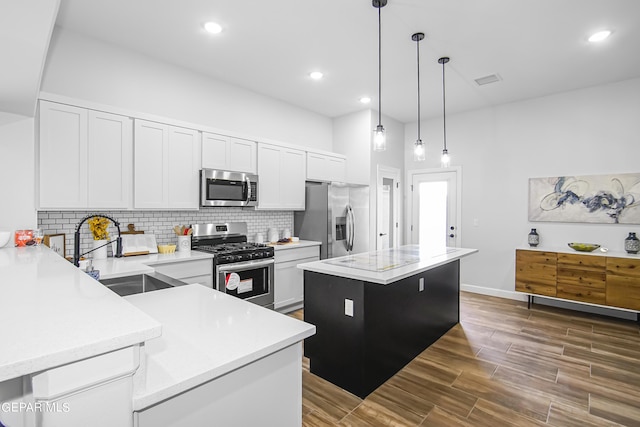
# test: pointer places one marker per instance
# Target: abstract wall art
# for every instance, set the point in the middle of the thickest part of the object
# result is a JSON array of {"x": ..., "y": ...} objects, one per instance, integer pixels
[{"x": 603, "y": 199}]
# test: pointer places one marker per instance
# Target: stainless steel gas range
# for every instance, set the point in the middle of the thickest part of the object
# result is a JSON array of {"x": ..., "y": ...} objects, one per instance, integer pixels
[{"x": 240, "y": 268}]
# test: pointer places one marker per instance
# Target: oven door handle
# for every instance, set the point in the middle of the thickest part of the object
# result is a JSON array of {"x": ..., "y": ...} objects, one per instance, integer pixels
[{"x": 246, "y": 265}]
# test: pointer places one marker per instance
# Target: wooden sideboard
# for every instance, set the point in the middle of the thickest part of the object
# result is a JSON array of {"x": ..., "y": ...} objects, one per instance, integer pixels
[{"x": 596, "y": 279}]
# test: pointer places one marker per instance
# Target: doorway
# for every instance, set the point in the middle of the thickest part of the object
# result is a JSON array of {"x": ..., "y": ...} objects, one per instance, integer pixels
[
  {"x": 387, "y": 208},
  {"x": 434, "y": 208}
]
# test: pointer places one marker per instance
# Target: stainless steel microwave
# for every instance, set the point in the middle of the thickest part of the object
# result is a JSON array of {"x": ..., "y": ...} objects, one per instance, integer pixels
[{"x": 224, "y": 188}]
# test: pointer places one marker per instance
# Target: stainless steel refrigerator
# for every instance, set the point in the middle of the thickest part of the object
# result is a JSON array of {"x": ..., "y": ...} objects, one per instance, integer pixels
[{"x": 337, "y": 215}]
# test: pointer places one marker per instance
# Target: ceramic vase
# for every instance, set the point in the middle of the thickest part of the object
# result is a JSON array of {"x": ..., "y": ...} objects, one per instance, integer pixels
[
  {"x": 100, "y": 253},
  {"x": 632, "y": 244},
  {"x": 533, "y": 238}
]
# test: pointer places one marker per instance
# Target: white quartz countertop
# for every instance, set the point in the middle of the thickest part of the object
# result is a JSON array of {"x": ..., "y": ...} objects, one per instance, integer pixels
[
  {"x": 140, "y": 264},
  {"x": 206, "y": 334},
  {"x": 568, "y": 250},
  {"x": 387, "y": 266},
  {"x": 52, "y": 313},
  {"x": 294, "y": 245}
]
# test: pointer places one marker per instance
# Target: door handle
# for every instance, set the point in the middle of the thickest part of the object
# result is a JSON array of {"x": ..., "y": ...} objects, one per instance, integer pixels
[
  {"x": 248, "y": 188},
  {"x": 383, "y": 234},
  {"x": 452, "y": 235}
]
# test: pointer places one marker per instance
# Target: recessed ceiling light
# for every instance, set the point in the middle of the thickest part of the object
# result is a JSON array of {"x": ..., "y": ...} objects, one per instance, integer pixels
[
  {"x": 599, "y": 36},
  {"x": 365, "y": 100},
  {"x": 316, "y": 75},
  {"x": 213, "y": 27}
]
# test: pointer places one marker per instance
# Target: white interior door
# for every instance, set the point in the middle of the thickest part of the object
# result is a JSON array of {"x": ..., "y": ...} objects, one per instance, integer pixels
[
  {"x": 434, "y": 211},
  {"x": 387, "y": 208}
]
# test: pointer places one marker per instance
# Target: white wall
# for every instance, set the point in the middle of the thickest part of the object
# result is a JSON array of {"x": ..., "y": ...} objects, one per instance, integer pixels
[
  {"x": 17, "y": 172},
  {"x": 585, "y": 132},
  {"x": 90, "y": 70},
  {"x": 351, "y": 137}
]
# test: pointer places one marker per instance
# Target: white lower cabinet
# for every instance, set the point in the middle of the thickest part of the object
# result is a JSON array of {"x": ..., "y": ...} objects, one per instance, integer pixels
[
  {"x": 74, "y": 394},
  {"x": 267, "y": 392},
  {"x": 191, "y": 271},
  {"x": 289, "y": 280}
]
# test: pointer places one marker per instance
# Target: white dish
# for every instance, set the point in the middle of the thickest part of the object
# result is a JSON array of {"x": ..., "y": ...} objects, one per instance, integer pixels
[{"x": 4, "y": 237}]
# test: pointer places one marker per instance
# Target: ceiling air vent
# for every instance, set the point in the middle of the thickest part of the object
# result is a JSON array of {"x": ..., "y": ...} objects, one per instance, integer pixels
[{"x": 491, "y": 78}]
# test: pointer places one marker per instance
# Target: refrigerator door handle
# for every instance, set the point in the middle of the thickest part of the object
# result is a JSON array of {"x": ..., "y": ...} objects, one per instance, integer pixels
[{"x": 350, "y": 228}]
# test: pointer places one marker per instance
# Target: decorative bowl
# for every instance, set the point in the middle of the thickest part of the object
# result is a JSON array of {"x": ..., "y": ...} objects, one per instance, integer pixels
[
  {"x": 166, "y": 249},
  {"x": 584, "y": 247}
]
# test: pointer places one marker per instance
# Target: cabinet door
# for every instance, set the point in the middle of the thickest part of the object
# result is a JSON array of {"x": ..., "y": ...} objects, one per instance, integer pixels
[
  {"x": 62, "y": 156},
  {"x": 316, "y": 167},
  {"x": 536, "y": 272},
  {"x": 110, "y": 152},
  {"x": 321, "y": 167},
  {"x": 242, "y": 155},
  {"x": 292, "y": 179},
  {"x": 269, "y": 167},
  {"x": 289, "y": 280},
  {"x": 581, "y": 278},
  {"x": 215, "y": 151},
  {"x": 183, "y": 168},
  {"x": 623, "y": 283},
  {"x": 337, "y": 168},
  {"x": 150, "y": 165}
]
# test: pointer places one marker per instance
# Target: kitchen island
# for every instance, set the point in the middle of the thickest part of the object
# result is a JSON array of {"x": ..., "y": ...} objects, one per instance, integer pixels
[
  {"x": 374, "y": 312},
  {"x": 189, "y": 354}
]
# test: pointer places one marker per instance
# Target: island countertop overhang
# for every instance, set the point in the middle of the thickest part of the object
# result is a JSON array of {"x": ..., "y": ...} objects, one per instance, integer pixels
[{"x": 428, "y": 259}]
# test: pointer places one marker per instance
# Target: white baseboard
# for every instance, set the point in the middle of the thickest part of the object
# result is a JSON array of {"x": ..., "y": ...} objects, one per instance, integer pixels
[{"x": 493, "y": 292}]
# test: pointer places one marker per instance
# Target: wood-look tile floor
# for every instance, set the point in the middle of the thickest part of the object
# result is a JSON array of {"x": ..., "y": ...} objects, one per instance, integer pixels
[{"x": 502, "y": 365}]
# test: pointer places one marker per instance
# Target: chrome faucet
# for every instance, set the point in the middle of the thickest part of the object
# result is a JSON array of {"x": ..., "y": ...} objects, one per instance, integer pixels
[{"x": 76, "y": 239}]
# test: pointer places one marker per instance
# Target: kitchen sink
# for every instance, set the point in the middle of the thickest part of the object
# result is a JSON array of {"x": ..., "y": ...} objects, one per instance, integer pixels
[{"x": 140, "y": 283}]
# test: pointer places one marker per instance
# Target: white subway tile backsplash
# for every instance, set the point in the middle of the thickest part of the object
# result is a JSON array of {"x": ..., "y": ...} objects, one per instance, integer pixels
[{"x": 161, "y": 223}]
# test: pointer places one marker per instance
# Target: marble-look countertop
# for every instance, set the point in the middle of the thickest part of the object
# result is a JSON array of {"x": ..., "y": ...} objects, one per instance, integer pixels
[
  {"x": 387, "y": 266},
  {"x": 140, "y": 264},
  {"x": 52, "y": 313},
  {"x": 568, "y": 250},
  {"x": 206, "y": 334}
]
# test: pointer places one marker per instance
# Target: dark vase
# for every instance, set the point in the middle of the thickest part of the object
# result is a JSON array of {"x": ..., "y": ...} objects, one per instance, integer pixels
[
  {"x": 534, "y": 238},
  {"x": 632, "y": 244}
]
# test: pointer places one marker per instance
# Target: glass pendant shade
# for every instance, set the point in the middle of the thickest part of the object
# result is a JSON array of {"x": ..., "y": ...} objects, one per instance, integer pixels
[
  {"x": 379, "y": 138},
  {"x": 445, "y": 160},
  {"x": 419, "y": 151},
  {"x": 379, "y": 134}
]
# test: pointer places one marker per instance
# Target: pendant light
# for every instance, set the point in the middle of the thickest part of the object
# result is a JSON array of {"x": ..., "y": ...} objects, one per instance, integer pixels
[
  {"x": 419, "y": 154},
  {"x": 445, "y": 160},
  {"x": 379, "y": 134}
]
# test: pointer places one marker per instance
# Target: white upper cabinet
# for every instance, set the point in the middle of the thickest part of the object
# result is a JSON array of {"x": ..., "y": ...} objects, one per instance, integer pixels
[
  {"x": 84, "y": 158},
  {"x": 166, "y": 166},
  {"x": 228, "y": 153},
  {"x": 281, "y": 178},
  {"x": 184, "y": 168},
  {"x": 323, "y": 167},
  {"x": 110, "y": 151}
]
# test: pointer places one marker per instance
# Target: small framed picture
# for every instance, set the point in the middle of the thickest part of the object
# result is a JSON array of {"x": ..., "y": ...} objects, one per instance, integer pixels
[{"x": 56, "y": 242}]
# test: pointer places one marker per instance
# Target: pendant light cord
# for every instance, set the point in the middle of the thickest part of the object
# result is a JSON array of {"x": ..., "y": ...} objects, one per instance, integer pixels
[
  {"x": 444, "y": 109},
  {"x": 418, "y": 58},
  {"x": 379, "y": 67}
]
